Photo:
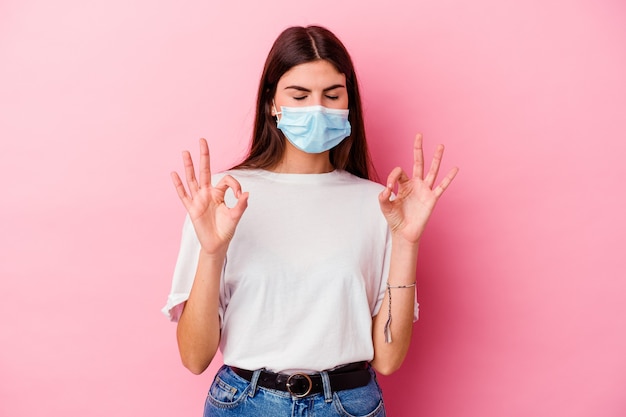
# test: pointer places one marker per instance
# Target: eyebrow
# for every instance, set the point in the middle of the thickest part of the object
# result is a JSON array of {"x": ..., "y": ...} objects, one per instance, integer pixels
[{"x": 306, "y": 90}]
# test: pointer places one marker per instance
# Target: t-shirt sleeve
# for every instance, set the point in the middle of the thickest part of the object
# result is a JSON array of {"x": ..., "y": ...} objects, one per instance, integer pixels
[{"x": 184, "y": 273}]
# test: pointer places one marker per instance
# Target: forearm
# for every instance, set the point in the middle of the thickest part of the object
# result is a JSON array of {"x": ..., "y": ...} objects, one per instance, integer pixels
[
  {"x": 198, "y": 330},
  {"x": 389, "y": 356}
]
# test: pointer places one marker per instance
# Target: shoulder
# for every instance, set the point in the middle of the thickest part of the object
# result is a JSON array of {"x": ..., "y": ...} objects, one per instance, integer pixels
[
  {"x": 358, "y": 182},
  {"x": 237, "y": 173}
]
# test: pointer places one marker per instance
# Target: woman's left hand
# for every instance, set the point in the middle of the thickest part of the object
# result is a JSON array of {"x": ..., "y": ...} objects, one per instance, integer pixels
[{"x": 408, "y": 213}]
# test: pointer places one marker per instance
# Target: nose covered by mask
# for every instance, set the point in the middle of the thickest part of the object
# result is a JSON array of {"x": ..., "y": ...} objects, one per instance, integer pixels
[{"x": 314, "y": 129}]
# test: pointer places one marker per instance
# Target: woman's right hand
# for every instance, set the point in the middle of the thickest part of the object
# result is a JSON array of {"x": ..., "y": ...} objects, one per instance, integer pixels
[{"x": 213, "y": 221}]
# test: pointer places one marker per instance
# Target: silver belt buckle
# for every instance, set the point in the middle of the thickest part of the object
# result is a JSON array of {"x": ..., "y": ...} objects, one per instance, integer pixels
[{"x": 291, "y": 384}]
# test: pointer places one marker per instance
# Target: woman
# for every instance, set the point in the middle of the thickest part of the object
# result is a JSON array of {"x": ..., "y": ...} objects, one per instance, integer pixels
[{"x": 290, "y": 261}]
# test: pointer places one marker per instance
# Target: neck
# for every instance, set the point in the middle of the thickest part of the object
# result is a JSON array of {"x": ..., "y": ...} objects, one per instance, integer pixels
[{"x": 295, "y": 161}]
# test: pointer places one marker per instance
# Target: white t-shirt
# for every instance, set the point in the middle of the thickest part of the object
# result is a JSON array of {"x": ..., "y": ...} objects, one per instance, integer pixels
[{"x": 304, "y": 274}]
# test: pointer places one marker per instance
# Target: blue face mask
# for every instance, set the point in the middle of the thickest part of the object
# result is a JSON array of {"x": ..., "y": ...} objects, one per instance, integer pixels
[{"x": 314, "y": 129}]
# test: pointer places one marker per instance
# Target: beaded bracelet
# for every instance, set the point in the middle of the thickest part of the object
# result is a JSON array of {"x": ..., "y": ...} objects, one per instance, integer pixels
[{"x": 388, "y": 324}]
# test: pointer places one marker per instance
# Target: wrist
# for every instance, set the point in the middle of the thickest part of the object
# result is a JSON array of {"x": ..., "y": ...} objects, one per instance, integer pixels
[
  {"x": 401, "y": 243},
  {"x": 217, "y": 255},
  {"x": 401, "y": 285}
]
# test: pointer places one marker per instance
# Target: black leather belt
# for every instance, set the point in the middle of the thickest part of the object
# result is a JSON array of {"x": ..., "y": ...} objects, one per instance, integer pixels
[{"x": 300, "y": 385}]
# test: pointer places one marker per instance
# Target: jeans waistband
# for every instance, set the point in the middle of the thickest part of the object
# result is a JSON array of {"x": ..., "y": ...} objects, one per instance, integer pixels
[{"x": 300, "y": 385}]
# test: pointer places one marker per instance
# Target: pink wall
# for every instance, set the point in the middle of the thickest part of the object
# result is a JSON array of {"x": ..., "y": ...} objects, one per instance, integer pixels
[{"x": 521, "y": 273}]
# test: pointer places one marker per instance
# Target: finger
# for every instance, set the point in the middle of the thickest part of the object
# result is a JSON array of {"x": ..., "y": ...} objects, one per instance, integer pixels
[
  {"x": 228, "y": 181},
  {"x": 205, "y": 165},
  {"x": 180, "y": 188},
  {"x": 446, "y": 182},
  {"x": 384, "y": 198},
  {"x": 434, "y": 167},
  {"x": 418, "y": 157},
  {"x": 242, "y": 203},
  {"x": 396, "y": 175},
  {"x": 190, "y": 174}
]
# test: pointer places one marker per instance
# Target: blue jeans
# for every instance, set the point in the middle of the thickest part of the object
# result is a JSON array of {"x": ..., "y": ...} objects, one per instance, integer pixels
[{"x": 232, "y": 396}]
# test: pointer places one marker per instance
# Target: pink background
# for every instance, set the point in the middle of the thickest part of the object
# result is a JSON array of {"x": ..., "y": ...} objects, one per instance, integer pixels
[{"x": 521, "y": 273}]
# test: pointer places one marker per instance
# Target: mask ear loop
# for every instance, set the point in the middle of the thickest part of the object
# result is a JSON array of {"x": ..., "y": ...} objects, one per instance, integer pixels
[{"x": 276, "y": 112}]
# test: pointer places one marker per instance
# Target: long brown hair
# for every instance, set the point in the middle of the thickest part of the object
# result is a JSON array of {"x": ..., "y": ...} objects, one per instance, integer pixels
[{"x": 294, "y": 46}]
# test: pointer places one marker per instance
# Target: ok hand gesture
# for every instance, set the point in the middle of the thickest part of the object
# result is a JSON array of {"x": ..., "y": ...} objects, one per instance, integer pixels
[
  {"x": 408, "y": 213},
  {"x": 213, "y": 221}
]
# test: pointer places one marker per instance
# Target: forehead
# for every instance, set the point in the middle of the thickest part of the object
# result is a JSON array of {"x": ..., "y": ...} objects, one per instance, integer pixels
[{"x": 316, "y": 74}]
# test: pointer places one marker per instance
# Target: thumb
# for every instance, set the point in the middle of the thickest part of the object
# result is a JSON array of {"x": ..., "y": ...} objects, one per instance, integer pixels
[
  {"x": 242, "y": 203},
  {"x": 384, "y": 200}
]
